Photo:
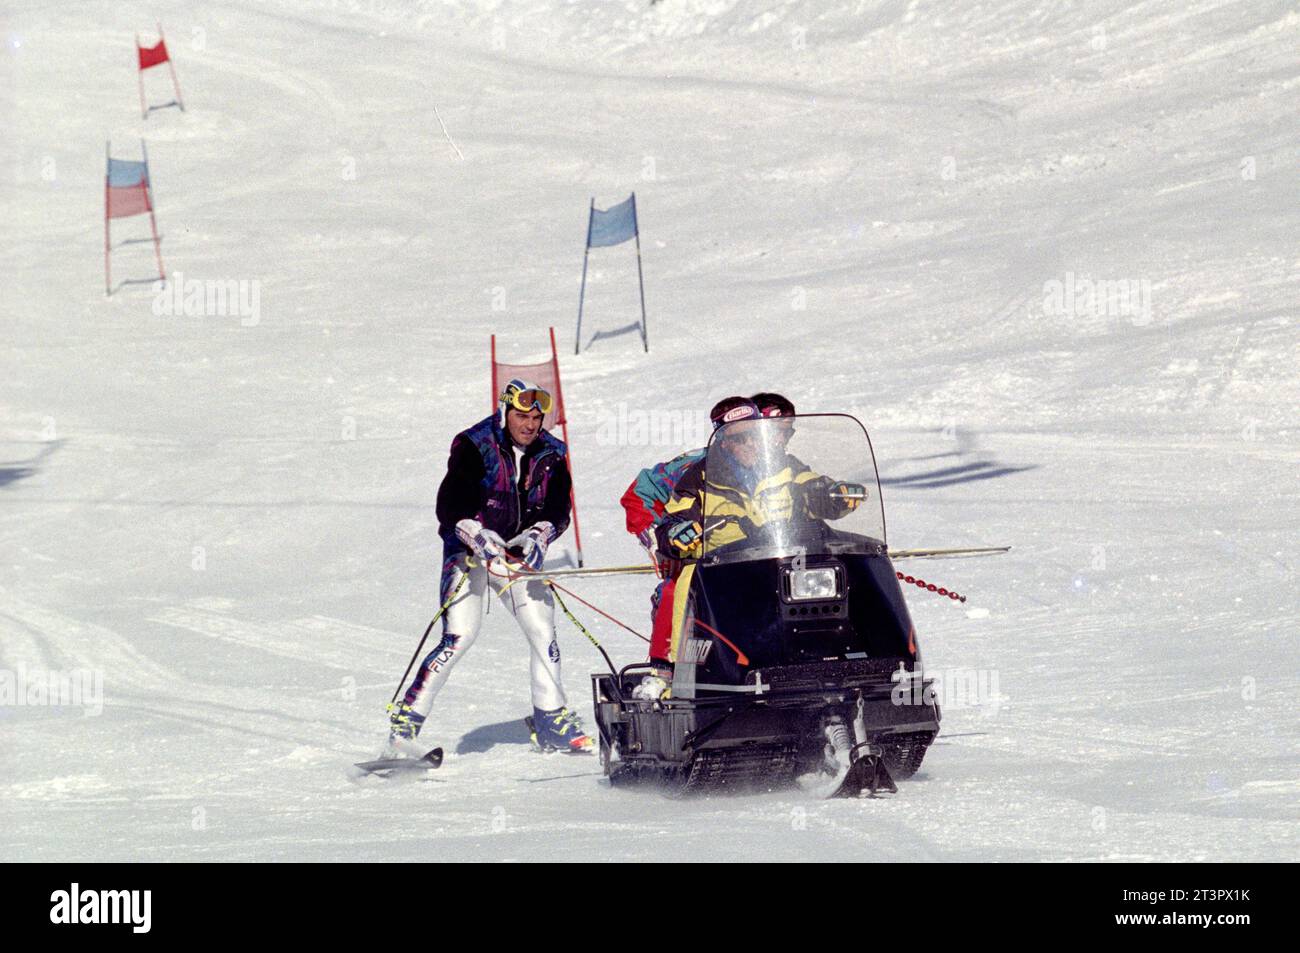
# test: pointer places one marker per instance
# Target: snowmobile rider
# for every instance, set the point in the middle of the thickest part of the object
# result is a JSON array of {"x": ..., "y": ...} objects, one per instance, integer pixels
[
  {"x": 758, "y": 484},
  {"x": 505, "y": 497}
]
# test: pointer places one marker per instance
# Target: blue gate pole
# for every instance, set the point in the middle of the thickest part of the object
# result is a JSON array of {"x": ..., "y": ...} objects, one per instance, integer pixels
[{"x": 582, "y": 294}]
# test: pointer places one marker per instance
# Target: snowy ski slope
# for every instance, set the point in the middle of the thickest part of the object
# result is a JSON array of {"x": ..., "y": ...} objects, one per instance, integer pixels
[{"x": 885, "y": 208}]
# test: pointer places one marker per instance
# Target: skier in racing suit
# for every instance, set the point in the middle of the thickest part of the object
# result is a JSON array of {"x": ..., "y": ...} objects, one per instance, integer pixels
[{"x": 506, "y": 493}]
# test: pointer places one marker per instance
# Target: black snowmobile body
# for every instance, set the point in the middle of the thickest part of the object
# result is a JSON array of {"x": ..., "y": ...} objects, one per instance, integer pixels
[{"x": 796, "y": 659}]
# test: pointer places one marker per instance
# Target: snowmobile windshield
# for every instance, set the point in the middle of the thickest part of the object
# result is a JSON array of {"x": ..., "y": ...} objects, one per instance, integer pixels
[{"x": 785, "y": 486}]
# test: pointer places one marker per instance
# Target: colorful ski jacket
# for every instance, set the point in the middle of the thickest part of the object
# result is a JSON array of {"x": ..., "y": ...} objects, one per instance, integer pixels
[
  {"x": 647, "y": 495},
  {"x": 484, "y": 484},
  {"x": 732, "y": 502}
]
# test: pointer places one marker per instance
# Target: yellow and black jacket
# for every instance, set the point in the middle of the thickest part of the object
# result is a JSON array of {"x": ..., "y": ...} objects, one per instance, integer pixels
[{"x": 731, "y": 502}]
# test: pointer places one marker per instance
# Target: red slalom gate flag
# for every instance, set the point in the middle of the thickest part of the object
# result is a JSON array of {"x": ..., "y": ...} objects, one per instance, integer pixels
[
  {"x": 149, "y": 57},
  {"x": 153, "y": 55}
]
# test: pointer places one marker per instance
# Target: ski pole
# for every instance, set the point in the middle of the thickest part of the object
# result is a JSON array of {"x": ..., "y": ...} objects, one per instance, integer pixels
[
  {"x": 582, "y": 628},
  {"x": 432, "y": 622}
]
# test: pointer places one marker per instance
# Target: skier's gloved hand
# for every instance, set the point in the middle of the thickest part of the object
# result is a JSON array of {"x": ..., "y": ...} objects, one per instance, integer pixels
[
  {"x": 647, "y": 539},
  {"x": 848, "y": 495},
  {"x": 486, "y": 544},
  {"x": 532, "y": 544},
  {"x": 685, "y": 537}
]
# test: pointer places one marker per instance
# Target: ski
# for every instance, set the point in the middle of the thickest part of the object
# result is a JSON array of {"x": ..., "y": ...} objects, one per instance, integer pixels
[{"x": 388, "y": 767}]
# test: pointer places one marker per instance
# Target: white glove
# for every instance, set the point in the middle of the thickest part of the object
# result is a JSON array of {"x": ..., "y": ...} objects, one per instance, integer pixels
[
  {"x": 532, "y": 544},
  {"x": 486, "y": 544}
]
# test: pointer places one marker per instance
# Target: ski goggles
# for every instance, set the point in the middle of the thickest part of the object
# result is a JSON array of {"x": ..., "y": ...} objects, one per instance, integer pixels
[{"x": 529, "y": 399}]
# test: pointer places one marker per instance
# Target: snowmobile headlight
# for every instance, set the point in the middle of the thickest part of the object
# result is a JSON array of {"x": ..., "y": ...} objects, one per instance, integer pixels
[{"x": 814, "y": 583}]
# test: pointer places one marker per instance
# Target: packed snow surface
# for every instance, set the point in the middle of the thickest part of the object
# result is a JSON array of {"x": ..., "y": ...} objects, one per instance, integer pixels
[{"x": 1045, "y": 252}]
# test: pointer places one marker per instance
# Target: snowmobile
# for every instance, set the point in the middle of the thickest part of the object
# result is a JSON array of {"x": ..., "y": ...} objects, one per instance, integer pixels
[{"x": 797, "y": 661}]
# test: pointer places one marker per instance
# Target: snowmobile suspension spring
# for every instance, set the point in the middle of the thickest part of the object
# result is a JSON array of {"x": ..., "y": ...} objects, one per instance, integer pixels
[{"x": 930, "y": 587}]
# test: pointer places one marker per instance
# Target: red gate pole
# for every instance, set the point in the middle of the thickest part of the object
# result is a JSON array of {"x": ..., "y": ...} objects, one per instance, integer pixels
[
  {"x": 153, "y": 225},
  {"x": 564, "y": 425},
  {"x": 108, "y": 279},
  {"x": 175, "y": 82},
  {"x": 139, "y": 76},
  {"x": 492, "y": 375}
]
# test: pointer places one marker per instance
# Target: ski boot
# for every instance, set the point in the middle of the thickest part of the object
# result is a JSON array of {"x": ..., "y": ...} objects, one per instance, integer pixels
[
  {"x": 403, "y": 728},
  {"x": 558, "y": 730}
]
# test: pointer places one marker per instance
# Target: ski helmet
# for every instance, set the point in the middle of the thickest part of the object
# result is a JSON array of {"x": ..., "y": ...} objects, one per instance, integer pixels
[
  {"x": 773, "y": 405},
  {"x": 730, "y": 409},
  {"x": 524, "y": 396}
]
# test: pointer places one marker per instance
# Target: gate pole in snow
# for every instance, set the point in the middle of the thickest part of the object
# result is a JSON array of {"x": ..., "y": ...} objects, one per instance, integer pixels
[
  {"x": 153, "y": 224},
  {"x": 645, "y": 331},
  {"x": 176, "y": 85},
  {"x": 564, "y": 426},
  {"x": 586, "y": 253},
  {"x": 139, "y": 77},
  {"x": 108, "y": 279}
]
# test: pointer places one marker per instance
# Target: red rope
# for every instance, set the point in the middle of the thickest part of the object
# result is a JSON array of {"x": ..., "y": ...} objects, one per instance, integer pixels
[
  {"x": 930, "y": 587},
  {"x": 570, "y": 592},
  {"x": 524, "y": 574}
]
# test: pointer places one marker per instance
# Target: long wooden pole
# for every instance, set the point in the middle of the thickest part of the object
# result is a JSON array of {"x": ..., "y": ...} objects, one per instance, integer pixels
[{"x": 924, "y": 553}]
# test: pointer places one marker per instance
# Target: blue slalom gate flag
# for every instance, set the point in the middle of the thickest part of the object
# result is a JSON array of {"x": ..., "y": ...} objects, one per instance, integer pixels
[
  {"x": 605, "y": 227},
  {"x": 612, "y": 226},
  {"x": 125, "y": 174}
]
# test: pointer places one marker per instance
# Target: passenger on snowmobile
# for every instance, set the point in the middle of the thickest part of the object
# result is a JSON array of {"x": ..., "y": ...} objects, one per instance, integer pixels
[
  {"x": 506, "y": 491},
  {"x": 644, "y": 502}
]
